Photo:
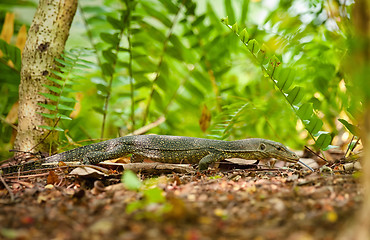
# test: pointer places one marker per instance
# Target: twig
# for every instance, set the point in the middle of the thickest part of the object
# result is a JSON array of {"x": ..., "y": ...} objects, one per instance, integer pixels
[
  {"x": 149, "y": 126},
  {"x": 10, "y": 124},
  {"x": 11, "y": 194},
  {"x": 157, "y": 73},
  {"x": 299, "y": 161},
  {"x": 349, "y": 150},
  {"x": 315, "y": 154}
]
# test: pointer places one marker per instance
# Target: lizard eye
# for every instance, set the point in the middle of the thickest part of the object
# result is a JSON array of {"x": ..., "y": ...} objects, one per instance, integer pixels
[
  {"x": 279, "y": 148},
  {"x": 262, "y": 146}
]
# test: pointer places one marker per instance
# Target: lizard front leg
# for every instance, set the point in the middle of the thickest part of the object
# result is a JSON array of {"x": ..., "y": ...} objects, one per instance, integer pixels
[{"x": 210, "y": 158}]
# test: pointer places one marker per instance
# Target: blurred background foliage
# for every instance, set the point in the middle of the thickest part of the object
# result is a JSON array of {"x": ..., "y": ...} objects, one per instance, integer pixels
[{"x": 176, "y": 60}]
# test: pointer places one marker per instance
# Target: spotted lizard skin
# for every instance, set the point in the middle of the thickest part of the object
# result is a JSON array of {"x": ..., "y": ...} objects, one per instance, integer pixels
[{"x": 167, "y": 149}]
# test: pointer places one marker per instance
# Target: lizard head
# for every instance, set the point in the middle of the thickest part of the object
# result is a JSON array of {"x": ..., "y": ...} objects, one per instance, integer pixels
[{"x": 276, "y": 150}]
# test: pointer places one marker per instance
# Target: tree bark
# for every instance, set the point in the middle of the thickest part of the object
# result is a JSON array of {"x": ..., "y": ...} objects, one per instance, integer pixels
[
  {"x": 358, "y": 68},
  {"x": 46, "y": 40}
]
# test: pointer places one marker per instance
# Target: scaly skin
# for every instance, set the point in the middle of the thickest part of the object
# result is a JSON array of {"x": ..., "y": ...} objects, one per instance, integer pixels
[{"x": 168, "y": 149}]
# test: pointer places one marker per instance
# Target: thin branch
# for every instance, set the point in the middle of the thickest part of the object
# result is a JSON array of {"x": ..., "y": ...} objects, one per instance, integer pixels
[
  {"x": 149, "y": 126},
  {"x": 157, "y": 73},
  {"x": 110, "y": 81},
  {"x": 11, "y": 194},
  {"x": 6, "y": 122},
  {"x": 349, "y": 150},
  {"x": 130, "y": 72},
  {"x": 317, "y": 155}
]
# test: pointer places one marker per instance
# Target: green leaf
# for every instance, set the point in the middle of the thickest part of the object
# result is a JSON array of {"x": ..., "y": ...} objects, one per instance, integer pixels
[
  {"x": 64, "y": 63},
  {"x": 110, "y": 38},
  {"x": 154, "y": 195},
  {"x": 65, "y": 107},
  {"x": 229, "y": 10},
  {"x": 67, "y": 99},
  {"x": 274, "y": 63},
  {"x": 12, "y": 53},
  {"x": 109, "y": 56},
  {"x": 198, "y": 20},
  {"x": 47, "y": 115},
  {"x": 305, "y": 111},
  {"x": 98, "y": 110},
  {"x": 244, "y": 36},
  {"x": 134, "y": 206},
  {"x": 253, "y": 46},
  {"x": 59, "y": 129},
  {"x": 323, "y": 141},
  {"x": 117, "y": 24},
  {"x": 314, "y": 125},
  {"x": 62, "y": 116},
  {"x": 285, "y": 78},
  {"x": 158, "y": 15},
  {"x": 244, "y": 11},
  {"x": 107, "y": 69},
  {"x": 225, "y": 21},
  {"x": 48, "y": 106},
  {"x": 235, "y": 28},
  {"x": 295, "y": 95},
  {"x": 130, "y": 180},
  {"x": 52, "y": 88},
  {"x": 261, "y": 55},
  {"x": 171, "y": 7},
  {"x": 59, "y": 74},
  {"x": 50, "y": 96},
  {"x": 350, "y": 127},
  {"x": 46, "y": 127}
]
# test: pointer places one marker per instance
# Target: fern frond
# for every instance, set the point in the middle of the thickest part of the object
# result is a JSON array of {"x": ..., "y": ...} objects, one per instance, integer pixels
[
  {"x": 69, "y": 70},
  {"x": 225, "y": 121},
  {"x": 283, "y": 78}
]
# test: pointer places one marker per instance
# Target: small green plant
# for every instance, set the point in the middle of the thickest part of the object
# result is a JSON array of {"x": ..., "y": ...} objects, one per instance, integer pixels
[
  {"x": 72, "y": 66},
  {"x": 153, "y": 203}
]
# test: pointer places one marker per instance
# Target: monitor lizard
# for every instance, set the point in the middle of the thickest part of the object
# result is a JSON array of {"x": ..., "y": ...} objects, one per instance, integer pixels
[{"x": 167, "y": 149}]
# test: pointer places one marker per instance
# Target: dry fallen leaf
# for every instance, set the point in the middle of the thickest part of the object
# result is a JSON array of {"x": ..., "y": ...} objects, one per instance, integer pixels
[
  {"x": 52, "y": 178},
  {"x": 205, "y": 119}
]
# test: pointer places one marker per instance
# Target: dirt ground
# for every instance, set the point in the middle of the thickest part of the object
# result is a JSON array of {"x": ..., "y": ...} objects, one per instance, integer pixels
[{"x": 286, "y": 203}]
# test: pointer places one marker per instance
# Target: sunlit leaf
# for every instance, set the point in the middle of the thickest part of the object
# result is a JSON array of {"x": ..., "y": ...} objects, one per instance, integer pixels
[
  {"x": 305, "y": 111},
  {"x": 253, "y": 46},
  {"x": 314, "y": 125},
  {"x": 48, "y": 106},
  {"x": 285, "y": 78},
  {"x": 244, "y": 36},
  {"x": 350, "y": 127},
  {"x": 295, "y": 95},
  {"x": 323, "y": 141},
  {"x": 130, "y": 180}
]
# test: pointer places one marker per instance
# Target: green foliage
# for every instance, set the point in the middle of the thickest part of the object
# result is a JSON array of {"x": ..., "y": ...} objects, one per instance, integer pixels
[
  {"x": 226, "y": 121},
  {"x": 170, "y": 58},
  {"x": 151, "y": 196},
  {"x": 130, "y": 180},
  {"x": 283, "y": 77},
  {"x": 71, "y": 68},
  {"x": 12, "y": 53},
  {"x": 9, "y": 81}
]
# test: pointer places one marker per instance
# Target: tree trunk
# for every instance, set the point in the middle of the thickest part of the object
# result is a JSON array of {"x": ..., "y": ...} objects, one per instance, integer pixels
[
  {"x": 46, "y": 40},
  {"x": 358, "y": 68}
]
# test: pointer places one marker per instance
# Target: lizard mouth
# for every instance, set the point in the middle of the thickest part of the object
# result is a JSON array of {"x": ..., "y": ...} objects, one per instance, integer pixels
[{"x": 291, "y": 159}]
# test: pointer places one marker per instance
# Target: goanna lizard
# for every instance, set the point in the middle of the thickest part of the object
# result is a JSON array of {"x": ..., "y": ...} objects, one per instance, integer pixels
[{"x": 168, "y": 149}]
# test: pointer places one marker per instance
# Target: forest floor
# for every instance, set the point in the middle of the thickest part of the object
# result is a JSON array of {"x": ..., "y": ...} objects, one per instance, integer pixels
[{"x": 286, "y": 203}]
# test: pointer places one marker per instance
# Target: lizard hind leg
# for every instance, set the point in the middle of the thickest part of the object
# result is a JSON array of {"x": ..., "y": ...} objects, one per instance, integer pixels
[
  {"x": 136, "y": 158},
  {"x": 207, "y": 160}
]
